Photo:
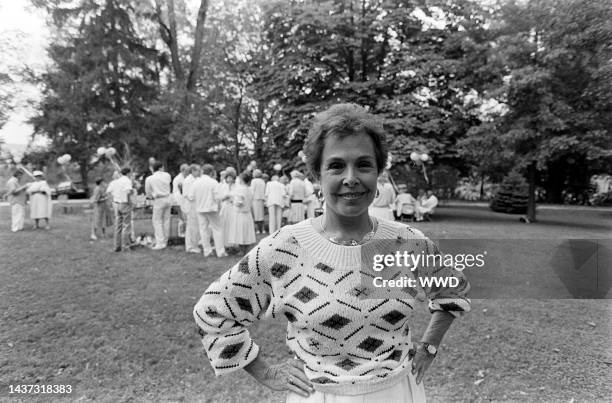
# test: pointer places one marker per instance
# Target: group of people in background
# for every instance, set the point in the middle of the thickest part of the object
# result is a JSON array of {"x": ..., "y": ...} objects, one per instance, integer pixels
[
  {"x": 39, "y": 194},
  {"x": 232, "y": 210},
  {"x": 401, "y": 206},
  {"x": 216, "y": 212}
]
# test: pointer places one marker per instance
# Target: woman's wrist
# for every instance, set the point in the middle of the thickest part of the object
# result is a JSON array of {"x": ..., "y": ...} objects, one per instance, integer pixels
[
  {"x": 257, "y": 368},
  {"x": 439, "y": 324}
]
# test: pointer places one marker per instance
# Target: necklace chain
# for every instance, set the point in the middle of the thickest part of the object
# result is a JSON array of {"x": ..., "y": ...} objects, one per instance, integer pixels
[{"x": 350, "y": 242}]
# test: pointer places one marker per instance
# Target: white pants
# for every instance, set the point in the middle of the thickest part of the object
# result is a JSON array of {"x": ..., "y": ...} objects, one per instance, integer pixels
[
  {"x": 310, "y": 209},
  {"x": 17, "y": 217},
  {"x": 405, "y": 391},
  {"x": 161, "y": 220},
  {"x": 192, "y": 230},
  {"x": 275, "y": 217},
  {"x": 209, "y": 222},
  {"x": 421, "y": 211}
]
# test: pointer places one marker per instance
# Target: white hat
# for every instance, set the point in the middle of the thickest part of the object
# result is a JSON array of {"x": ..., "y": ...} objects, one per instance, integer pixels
[{"x": 38, "y": 173}]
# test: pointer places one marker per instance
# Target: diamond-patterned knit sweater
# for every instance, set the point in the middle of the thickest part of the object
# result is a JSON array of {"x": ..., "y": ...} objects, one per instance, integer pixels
[{"x": 349, "y": 344}]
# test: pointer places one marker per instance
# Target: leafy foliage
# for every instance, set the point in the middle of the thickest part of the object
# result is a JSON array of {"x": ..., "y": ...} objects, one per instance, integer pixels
[
  {"x": 480, "y": 86},
  {"x": 99, "y": 87}
]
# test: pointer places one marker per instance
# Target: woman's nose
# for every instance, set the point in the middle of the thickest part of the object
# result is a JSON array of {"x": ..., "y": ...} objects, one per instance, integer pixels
[{"x": 351, "y": 179}]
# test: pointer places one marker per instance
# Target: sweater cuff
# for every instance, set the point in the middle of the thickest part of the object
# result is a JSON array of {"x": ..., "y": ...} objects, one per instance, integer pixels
[
  {"x": 455, "y": 306},
  {"x": 232, "y": 357}
]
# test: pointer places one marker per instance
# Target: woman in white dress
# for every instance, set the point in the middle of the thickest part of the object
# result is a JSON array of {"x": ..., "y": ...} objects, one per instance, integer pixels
[
  {"x": 241, "y": 228},
  {"x": 40, "y": 199},
  {"x": 227, "y": 186},
  {"x": 297, "y": 194},
  {"x": 383, "y": 204}
]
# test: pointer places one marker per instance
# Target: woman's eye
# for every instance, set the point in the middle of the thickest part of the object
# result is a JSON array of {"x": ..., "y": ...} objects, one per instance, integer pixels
[
  {"x": 335, "y": 165},
  {"x": 365, "y": 164}
]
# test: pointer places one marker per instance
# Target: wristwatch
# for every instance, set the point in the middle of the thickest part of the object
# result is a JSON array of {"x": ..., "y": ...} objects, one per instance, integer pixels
[{"x": 430, "y": 348}]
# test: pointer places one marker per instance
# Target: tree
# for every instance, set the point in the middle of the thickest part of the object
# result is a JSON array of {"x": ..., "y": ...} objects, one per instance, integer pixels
[
  {"x": 101, "y": 82},
  {"x": 386, "y": 56},
  {"x": 559, "y": 93},
  {"x": 11, "y": 49},
  {"x": 5, "y": 98}
]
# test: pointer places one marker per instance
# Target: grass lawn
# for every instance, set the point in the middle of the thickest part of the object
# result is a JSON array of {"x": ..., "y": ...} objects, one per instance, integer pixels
[{"x": 119, "y": 327}]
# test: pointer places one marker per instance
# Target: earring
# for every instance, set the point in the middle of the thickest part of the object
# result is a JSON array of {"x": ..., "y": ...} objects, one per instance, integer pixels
[{"x": 377, "y": 194}]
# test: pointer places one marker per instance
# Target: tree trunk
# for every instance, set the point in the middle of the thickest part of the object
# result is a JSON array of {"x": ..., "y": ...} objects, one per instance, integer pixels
[
  {"x": 197, "y": 46},
  {"x": 531, "y": 201},
  {"x": 482, "y": 179},
  {"x": 168, "y": 35},
  {"x": 260, "y": 131},
  {"x": 364, "y": 44},
  {"x": 83, "y": 168},
  {"x": 236, "y": 130},
  {"x": 351, "y": 57}
]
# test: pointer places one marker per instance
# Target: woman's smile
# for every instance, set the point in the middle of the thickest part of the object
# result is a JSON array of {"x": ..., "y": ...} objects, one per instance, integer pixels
[{"x": 352, "y": 195}]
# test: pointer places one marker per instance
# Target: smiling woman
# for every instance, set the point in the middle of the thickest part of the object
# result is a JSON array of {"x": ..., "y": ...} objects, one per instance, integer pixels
[
  {"x": 348, "y": 348},
  {"x": 346, "y": 150}
]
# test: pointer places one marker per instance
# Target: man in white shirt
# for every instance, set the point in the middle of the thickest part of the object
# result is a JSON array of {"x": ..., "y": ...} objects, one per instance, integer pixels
[
  {"x": 258, "y": 188},
  {"x": 121, "y": 191},
  {"x": 276, "y": 194},
  {"x": 205, "y": 193},
  {"x": 177, "y": 195},
  {"x": 192, "y": 231},
  {"x": 157, "y": 189},
  {"x": 309, "y": 200},
  {"x": 17, "y": 200}
]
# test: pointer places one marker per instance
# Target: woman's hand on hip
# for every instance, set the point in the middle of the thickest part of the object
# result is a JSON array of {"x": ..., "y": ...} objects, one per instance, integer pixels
[
  {"x": 421, "y": 361},
  {"x": 288, "y": 376}
]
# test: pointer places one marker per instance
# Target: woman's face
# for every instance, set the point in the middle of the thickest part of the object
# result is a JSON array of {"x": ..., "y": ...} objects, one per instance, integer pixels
[
  {"x": 348, "y": 174},
  {"x": 229, "y": 179}
]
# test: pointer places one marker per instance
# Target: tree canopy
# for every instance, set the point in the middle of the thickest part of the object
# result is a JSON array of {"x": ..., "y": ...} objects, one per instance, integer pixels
[{"x": 483, "y": 87}]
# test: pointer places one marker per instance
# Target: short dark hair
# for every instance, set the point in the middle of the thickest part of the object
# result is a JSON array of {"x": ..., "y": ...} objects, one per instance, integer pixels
[
  {"x": 158, "y": 165},
  {"x": 245, "y": 177},
  {"x": 343, "y": 120},
  {"x": 126, "y": 170},
  {"x": 208, "y": 169}
]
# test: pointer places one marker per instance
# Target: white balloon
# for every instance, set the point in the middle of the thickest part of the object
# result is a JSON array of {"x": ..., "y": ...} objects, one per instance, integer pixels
[
  {"x": 424, "y": 157},
  {"x": 278, "y": 167},
  {"x": 414, "y": 156},
  {"x": 304, "y": 159},
  {"x": 101, "y": 151},
  {"x": 110, "y": 151},
  {"x": 60, "y": 160},
  {"x": 301, "y": 154},
  {"x": 67, "y": 158}
]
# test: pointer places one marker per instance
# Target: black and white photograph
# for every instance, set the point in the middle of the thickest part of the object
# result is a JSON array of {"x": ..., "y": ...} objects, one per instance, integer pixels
[{"x": 306, "y": 201}]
